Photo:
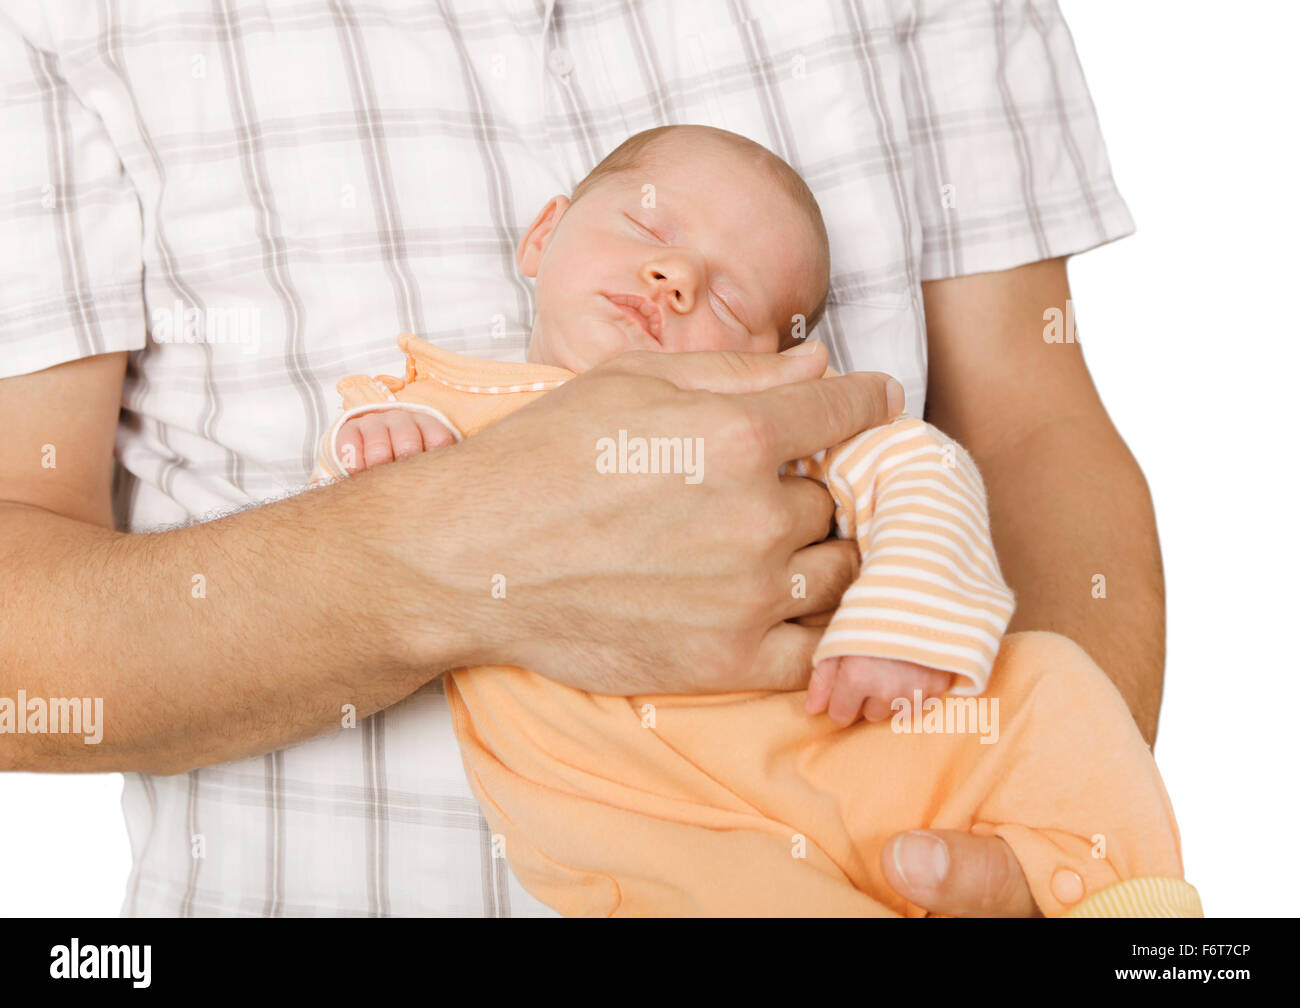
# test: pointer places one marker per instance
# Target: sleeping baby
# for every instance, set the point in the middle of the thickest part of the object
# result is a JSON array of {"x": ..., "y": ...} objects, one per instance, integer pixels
[{"x": 920, "y": 712}]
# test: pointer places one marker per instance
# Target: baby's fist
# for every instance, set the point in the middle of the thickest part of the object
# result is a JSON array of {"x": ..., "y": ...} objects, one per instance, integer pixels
[
  {"x": 372, "y": 439},
  {"x": 854, "y": 685}
]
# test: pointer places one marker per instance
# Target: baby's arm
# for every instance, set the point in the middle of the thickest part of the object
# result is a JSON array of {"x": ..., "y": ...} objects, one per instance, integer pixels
[{"x": 930, "y": 603}]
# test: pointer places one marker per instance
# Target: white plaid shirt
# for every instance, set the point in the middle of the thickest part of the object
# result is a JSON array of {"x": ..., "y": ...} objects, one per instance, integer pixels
[{"x": 298, "y": 182}]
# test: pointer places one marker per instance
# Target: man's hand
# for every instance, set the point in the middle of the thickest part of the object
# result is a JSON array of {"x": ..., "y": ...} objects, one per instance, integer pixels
[
  {"x": 957, "y": 874},
  {"x": 627, "y": 583}
]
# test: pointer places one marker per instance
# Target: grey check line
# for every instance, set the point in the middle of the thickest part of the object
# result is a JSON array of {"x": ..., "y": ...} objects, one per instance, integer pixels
[
  {"x": 665, "y": 110},
  {"x": 336, "y": 249},
  {"x": 331, "y": 127},
  {"x": 118, "y": 303},
  {"x": 368, "y": 129},
  {"x": 994, "y": 226},
  {"x": 186, "y": 842},
  {"x": 935, "y": 148},
  {"x": 211, "y": 415},
  {"x": 681, "y": 87},
  {"x": 301, "y": 798},
  {"x": 133, "y": 883},
  {"x": 273, "y": 803},
  {"x": 898, "y": 181},
  {"x": 200, "y": 28},
  {"x": 1071, "y": 147},
  {"x": 274, "y": 246},
  {"x": 1017, "y": 132},
  {"x": 376, "y": 831},
  {"x": 498, "y": 183},
  {"x": 15, "y": 206},
  {"x": 731, "y": 77},
  {"x": 579, "y": 114},
  {"x": 59, "y": 154},
  {"x": 982, "y": 125}
]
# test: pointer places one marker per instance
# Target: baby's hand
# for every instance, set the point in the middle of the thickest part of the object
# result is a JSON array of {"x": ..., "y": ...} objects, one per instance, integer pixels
[
  {"x": 854, "y": 685},
  {"x": 372, "y": 439}
]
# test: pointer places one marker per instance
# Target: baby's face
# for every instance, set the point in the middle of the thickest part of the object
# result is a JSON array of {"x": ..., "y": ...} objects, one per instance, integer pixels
[{"x": 722, "y": 260}]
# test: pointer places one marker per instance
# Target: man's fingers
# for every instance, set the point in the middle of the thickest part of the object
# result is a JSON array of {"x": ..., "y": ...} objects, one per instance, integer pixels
[
  {"x": 957, "y": 874},
  {"x": 726, "y": 370},
  {"x": 784, "y": 659},
  {"x": 803, "y": 418},
  {"x": 811, "y": 505},
  {"x": 818, "y": 577}
]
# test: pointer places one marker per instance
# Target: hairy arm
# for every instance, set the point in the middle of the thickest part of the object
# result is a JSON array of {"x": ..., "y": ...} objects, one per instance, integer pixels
[
  {"x": 1067, "y": 499},
  {"x": 205, "y": 643},
  {"x": 360, "y": 592}
]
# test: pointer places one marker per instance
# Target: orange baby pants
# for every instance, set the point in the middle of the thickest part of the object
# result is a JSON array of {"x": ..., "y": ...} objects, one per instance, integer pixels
[{"x": 742, "y": 804}]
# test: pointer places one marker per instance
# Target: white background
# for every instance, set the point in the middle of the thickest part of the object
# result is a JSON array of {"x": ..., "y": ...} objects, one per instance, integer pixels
[{"x": 1190, "y": 330}]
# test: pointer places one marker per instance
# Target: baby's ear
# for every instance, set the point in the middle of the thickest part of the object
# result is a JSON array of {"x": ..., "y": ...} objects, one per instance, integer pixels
[{"x": 528, "y": 254}]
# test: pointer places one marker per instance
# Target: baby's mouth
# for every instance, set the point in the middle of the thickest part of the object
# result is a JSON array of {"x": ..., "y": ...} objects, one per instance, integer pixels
[{"x": 641, "y": 310}]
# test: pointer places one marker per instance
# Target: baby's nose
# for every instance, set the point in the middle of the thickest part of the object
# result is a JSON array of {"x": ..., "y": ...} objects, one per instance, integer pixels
[{"x": 674, "y": 281}]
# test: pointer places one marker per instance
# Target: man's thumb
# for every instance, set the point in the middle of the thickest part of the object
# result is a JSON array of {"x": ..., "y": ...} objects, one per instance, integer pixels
[{"x": 957, "y": 874}]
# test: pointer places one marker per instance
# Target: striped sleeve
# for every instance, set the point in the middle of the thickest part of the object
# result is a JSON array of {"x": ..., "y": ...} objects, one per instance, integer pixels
[{"x": 929, "y": 590}]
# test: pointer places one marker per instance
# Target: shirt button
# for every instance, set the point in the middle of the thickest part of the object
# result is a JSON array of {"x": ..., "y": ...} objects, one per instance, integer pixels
[
  {"x": 560, "y": 60},
  {"x": 1067, "y": 886}
]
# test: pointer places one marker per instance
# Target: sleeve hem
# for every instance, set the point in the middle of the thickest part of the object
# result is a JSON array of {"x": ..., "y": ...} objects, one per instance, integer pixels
[
  {"x": 1142, "y": 897},
  {"x": 998, "y": 243},
  {"x": 112, "y": 337}
]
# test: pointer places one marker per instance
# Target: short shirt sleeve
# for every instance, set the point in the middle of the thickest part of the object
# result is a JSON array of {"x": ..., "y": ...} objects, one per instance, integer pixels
[
  {"x": 70, "y": 224},
  {"x": 1009, "y": 160}
]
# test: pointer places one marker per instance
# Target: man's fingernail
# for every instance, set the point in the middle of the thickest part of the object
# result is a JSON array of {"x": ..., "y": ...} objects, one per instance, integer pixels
[
  {"x": 801, "y": 349},
  {"x": 894, "y": 397},
  {"x": 922, "y": 860}
]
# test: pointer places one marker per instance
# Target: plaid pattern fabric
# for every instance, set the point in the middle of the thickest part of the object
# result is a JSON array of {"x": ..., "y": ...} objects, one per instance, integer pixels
[{"x": 254, "y": 199}]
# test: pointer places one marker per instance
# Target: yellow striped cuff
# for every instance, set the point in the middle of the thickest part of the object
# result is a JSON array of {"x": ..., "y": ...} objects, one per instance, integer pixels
[{"x": 1142, "y": 897}]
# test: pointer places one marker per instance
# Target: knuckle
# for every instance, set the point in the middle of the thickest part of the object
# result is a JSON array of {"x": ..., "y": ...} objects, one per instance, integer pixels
[
  {"x": 741, "y": 430},
  {"x": 771, "y": 523}
]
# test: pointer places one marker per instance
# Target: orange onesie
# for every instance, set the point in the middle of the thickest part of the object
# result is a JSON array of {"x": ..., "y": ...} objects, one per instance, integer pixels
[{"x": 742, "y": 804}]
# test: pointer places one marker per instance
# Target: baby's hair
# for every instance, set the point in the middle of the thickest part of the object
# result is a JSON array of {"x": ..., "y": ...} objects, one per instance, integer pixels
[{"x": 637, "y": 151}]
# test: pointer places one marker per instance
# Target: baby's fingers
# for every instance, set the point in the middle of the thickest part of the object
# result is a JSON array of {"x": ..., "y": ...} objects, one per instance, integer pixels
[
  {"x": 376, "y": 448},
  {"x": 349, "y": 445},
  {"x": 435, "y": 434},
  {"x": 821, "y": 685},
  {"x": 406, "y": 437}
]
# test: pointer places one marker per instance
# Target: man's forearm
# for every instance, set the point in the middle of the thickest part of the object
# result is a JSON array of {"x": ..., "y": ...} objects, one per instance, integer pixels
[
  {"x": 211, "y": 642},
  {"x": 1076, "y": 537},
  {"x": 1072, "y": 516}
]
